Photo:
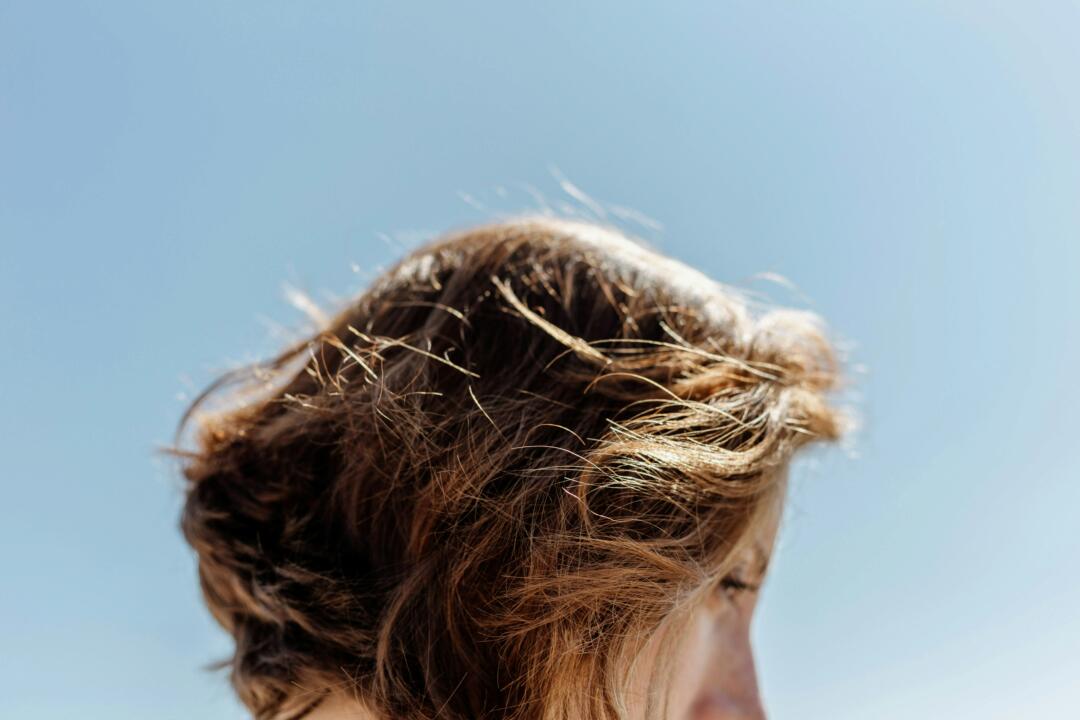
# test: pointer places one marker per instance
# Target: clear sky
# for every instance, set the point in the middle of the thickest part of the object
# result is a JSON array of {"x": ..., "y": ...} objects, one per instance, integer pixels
[{"x": 169, "y": 170}]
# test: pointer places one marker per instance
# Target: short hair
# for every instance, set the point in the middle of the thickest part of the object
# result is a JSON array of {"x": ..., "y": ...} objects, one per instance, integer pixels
[{"x": 470, "y": 491}]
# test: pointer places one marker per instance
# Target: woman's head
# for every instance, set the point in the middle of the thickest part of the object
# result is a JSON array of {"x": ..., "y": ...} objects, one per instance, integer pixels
[{"x": 507, "y": 481}]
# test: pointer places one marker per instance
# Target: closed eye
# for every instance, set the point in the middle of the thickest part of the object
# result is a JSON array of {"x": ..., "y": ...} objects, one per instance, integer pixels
[{"x": 732, "y": 584}]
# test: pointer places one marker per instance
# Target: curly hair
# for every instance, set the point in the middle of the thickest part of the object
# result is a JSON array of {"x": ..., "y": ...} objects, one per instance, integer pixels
[{"x": 477, "y": 485}]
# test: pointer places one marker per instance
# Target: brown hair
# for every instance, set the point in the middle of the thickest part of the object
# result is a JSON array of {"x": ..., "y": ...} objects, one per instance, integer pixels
[{"x": 492, "y": 473}]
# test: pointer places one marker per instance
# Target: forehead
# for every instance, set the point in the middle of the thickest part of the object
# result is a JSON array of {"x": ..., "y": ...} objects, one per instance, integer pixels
[{"x": 756, "y": 549}]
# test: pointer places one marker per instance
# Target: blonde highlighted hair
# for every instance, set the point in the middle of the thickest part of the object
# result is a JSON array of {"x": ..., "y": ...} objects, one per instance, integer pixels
[{"x": 475, "y": 489}]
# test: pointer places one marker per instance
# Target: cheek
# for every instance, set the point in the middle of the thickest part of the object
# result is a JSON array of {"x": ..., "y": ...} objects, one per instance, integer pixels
[
  {"x": 716, "y": 677},
  {"x": 713, "y": 675},
  {"x": 693, "y": 661}
]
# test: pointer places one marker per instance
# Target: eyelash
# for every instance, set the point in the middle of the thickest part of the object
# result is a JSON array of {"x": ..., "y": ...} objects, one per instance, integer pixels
[{"x": 732, "y": 585}]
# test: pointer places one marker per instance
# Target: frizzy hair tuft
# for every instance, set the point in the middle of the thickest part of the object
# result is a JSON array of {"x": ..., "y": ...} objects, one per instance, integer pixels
[{"x": 518, "y": 450}]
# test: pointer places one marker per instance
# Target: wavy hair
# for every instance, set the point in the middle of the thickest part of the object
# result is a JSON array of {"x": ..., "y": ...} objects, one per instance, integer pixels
[{"x": 472, "y": 491}]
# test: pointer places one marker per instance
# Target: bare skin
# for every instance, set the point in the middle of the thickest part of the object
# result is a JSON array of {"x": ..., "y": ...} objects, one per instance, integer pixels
[{"x": 714, "y": 676}]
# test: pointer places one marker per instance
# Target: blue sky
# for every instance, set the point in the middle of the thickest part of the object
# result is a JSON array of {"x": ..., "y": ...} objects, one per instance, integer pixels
[{"x": 169, "y": 170}]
